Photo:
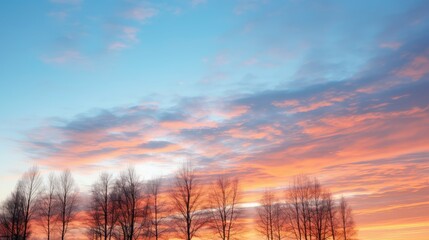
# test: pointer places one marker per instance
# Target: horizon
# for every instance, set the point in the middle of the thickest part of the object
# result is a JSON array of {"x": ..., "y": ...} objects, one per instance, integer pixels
[{"x": 264, "y": 90}]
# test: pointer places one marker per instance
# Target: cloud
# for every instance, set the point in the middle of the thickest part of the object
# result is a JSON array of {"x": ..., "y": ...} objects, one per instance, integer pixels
[
  {"x": 70, "y": 56},
  {"x": 416, "y": 69},
  {"x": 391, "y": 45},
  {"x": 129, "y": 33},
  {"x": 117, "y": 46},
  {"x": 197, "y": 2},
  {"x": 141, "y": 13},
  {"x": 116, "y": 32},
  {"x": 61, "y": 15},
  {"x": 156, "y": 144},
  {"x": 122, "y": 37}
]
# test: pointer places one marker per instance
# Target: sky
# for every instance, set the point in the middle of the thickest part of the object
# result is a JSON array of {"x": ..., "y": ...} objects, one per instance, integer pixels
[{"x": 262, "y": 89}]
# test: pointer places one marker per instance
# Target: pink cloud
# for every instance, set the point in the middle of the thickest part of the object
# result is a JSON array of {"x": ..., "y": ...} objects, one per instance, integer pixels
[
  {"x": 311, "y": 107},
  {"x": 177, "y": 125},
  {"x": 416, "y": 69},
  {"x": 232, "y": 112},
  {"x": 295, "y": 106},
  {"x": 286, "y": 103}
]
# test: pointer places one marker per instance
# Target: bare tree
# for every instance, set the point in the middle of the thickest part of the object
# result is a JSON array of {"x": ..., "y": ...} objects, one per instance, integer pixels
[
  {"x": 279, "y": 223},
  {"x": 129, "y": 209},
  {"x": 308, "y": 209},
  {"x": 271, "y": 219},
  {"x": 158, "y": 209},
  {"x": 347, "y": 225},
  {"x": 48, "y": 206},
  {"x": 130, "y": 204},
  {"x": 319, "y": 210},
  {"x": 187, "y": 201},
  {"x": 66, "y": 193},
  {"x": 223, "y": 200},
  {"x": 332, "y": 215},
  {"x": 313, "y": 214},
  {"x": 31, "y": 187},
  {"x": 12, "y": 215},
  {"x": 299, "y": 210},
  {"x": 293, "y": 212},
  {"x": 103, "y": 212}
]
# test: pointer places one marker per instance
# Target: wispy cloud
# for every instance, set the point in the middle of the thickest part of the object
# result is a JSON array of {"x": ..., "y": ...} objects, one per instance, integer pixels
[
  {"x": 140, "y": 13},
  {"x": 61, "y": 15},
  {"x": 417, "y": 68},
  {"x": 129, "y": 33},
  {"x": 197, "y": 2},
  {"x": 117, "y": 46},
  {"x": 391, "y": 45},
  {"x": 117, "y": 32},
  {"x": 65, "y": 57}
]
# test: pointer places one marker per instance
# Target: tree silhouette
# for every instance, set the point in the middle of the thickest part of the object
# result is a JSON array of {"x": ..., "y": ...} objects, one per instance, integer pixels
[
  {"x": 224, "y": 212},
  {"x": 347, "y": 225},
  {"x": 158, "y": 209},
  {"x": 48, "y": 207},
  {"x": 12, "y": 216},
  {"x": 187, "y": 200},
  {"x": 103, "y": 212},
  {"x": 271, "y": 219},
  {"x": 131, "y": 205},
  {"x": 67, "y": 200}
]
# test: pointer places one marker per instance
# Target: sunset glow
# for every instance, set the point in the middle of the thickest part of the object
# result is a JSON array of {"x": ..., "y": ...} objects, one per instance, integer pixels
[{"x": 262, "y": 90}]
